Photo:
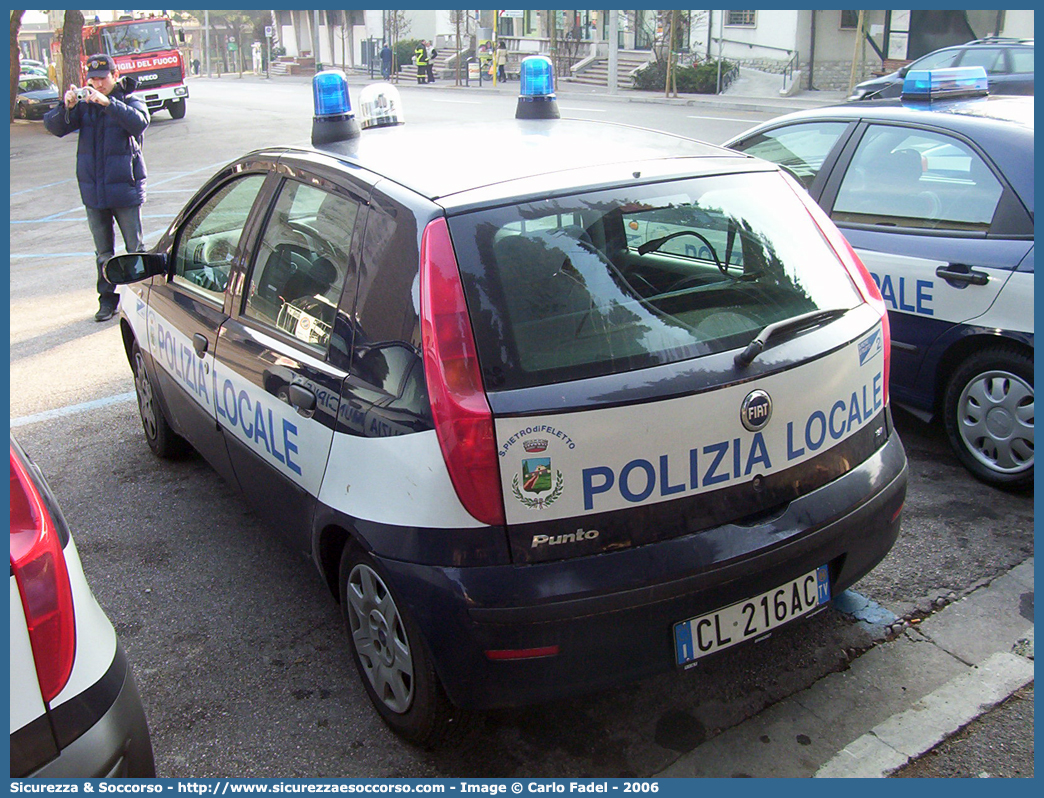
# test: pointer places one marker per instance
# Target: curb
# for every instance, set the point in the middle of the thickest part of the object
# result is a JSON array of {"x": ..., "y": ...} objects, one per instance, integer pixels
[{"x": 906, "y": 736}]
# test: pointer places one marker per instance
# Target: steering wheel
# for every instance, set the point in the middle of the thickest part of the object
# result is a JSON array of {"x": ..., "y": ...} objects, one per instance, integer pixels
[{"x": 656, "y": 243}]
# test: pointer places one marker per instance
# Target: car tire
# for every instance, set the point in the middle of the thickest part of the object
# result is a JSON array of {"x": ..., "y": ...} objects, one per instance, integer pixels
[
  {"x": 22, "y": 113},
  {"x": 393, "y": 661},
  {"x": 988, "y": 416},
  {"x": 177, "y": 109},
  {"x": 161, "y": 438}
]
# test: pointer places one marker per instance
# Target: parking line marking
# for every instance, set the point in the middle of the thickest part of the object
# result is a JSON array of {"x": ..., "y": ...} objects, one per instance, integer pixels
[
  {"x": 39, "y": 188},
  {"x": 71, "y": 410},
  {"x": 52, "y": 255}
]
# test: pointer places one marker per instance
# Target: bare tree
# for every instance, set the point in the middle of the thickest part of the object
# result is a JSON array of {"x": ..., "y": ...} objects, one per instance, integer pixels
[
  {"x": 458, "y": 19},
  {"x": 16, "y": 58},
  {"x": 565, "y": 46},
  {"x": 670, "y": 88}
]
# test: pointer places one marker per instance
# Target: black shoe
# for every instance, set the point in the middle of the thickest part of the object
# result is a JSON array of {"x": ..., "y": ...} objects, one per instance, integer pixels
[{"x": 105, "y": 312}]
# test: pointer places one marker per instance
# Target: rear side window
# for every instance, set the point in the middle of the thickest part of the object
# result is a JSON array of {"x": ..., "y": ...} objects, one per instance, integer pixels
[
  {"x": 613, "y": 281},
  {"x": 912, "y": 178},
  {"x": 1021, "y": 59},
  {"x": 800, "y": 149},
  {"x": 990, "y": 59}
]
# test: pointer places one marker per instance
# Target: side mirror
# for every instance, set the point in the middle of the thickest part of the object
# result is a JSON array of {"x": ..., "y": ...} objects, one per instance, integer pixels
[
  {"x": 131, "y": 268},
  {"x": 181, "y": 37}
]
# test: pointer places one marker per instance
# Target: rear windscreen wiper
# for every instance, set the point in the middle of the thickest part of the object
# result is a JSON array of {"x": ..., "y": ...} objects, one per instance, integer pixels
[{"x": 755, "y": 347}]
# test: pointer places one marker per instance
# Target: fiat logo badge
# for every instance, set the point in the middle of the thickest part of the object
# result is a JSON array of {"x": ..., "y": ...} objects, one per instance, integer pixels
[{"x": 756, "y": 410}]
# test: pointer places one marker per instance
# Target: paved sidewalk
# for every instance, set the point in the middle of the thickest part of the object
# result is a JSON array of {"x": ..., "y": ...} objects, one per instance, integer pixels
[{"x": 897, "y": 702}]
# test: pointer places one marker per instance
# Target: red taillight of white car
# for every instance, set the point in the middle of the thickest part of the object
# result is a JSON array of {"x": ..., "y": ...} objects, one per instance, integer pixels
[
  {"x": 38, "y": 564},
  {"x": 856, "y": 269},
  {"x": 459, "y": 408}
]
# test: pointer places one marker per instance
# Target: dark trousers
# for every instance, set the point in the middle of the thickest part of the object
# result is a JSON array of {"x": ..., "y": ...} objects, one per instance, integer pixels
[
  {"x": 430, "y": 71},
  {"x": 100, "y": 220}
]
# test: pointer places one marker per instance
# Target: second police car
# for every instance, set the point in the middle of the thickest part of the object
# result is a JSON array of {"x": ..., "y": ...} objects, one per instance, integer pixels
[
  {"x": 569, "y": 404},
  {"x": 935, "y": 192}
]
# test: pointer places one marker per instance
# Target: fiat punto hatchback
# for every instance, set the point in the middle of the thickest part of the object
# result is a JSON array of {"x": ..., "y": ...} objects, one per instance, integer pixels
[{"x": 552, "y": 404}]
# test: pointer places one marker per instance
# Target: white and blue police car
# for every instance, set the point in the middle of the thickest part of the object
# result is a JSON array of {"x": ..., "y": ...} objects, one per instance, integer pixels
[
  {"x": 935, "y": 192},
  {"x": 569, "y": 404}
]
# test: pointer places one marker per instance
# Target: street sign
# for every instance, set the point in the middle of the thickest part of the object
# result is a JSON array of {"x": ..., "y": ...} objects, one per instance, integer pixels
[
  {"x": 512, "y": 14},
  {"x": 268, "y": 31}
]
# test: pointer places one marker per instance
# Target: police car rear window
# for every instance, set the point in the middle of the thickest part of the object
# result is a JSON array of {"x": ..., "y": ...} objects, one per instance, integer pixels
[{"x": 607, "y": 282}]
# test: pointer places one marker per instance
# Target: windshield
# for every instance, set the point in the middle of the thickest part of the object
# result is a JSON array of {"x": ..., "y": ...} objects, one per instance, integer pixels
[
  {"x": 36, "y": 84},
  {"x": 137, "y": 37},
  {"x": 613, "y": 281}
]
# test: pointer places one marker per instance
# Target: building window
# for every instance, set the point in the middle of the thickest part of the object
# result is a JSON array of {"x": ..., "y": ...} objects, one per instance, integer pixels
[
  {"x": 849, "y": 19},
  {"x": 746, "y": 18}
]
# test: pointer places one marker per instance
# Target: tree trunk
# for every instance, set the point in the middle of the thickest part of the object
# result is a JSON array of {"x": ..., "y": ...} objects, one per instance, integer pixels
[
  {"x": 16, "y": 58},
  {"x": 72, "y": 51}
]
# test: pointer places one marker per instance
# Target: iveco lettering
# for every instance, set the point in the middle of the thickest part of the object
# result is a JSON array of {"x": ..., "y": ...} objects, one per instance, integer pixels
[{"x": 571, "y": 404}]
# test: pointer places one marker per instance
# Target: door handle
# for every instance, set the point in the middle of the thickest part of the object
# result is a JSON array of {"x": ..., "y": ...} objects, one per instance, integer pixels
[
  {"x": 962, "y": 273},
  {"x": 200, "y": 344},
  {"x": 302, "y": 400}
]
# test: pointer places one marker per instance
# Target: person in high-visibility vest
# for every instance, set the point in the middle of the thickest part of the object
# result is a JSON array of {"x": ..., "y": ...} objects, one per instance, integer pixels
[{"x": 420, "y": 58}]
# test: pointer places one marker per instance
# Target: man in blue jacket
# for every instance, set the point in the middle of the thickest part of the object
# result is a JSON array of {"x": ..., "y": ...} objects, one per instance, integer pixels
[{"x": 110, "y": 165}]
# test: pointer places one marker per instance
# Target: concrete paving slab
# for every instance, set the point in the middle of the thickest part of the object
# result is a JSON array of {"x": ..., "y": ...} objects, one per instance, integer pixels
[
  {"x": 1023, "y": 573},
  {"x": 932, "y": 719},
  {"x": 989, "y": 620},
  {"x": 878, "y": 684},
  {"x": 783, "y": 741}
]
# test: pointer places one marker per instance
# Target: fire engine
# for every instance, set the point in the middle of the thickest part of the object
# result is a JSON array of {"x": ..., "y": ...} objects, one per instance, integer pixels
[{"x": 147, "y": 50}]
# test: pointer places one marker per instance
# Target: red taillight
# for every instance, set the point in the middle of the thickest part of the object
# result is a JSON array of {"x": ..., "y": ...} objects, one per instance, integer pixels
[
  {"x": 38, "y": 563},
  {"x": 856, "y": 270},
  {"x": 463, "y": 420}
]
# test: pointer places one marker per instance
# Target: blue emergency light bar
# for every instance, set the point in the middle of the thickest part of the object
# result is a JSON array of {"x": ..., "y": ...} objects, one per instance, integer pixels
[
  {"x": 936, "y": 84},
  {"x": 333, "y": 120},
  {"x": 536, "y": 98}
]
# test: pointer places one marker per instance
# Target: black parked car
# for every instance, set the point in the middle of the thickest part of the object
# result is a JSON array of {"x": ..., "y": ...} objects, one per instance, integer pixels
[{"x": 1008, "y": 64}]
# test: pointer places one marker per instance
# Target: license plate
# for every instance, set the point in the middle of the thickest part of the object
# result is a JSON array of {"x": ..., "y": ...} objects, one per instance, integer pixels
[{"x": 750, "y": 618}]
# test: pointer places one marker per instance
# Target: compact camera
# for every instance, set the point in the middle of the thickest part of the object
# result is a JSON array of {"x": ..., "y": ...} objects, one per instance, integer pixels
[{"x": 83, "y": 93}]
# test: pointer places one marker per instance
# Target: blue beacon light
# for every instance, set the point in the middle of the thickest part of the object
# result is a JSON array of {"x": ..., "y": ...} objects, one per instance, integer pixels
[
  {"x": 536, "y": 98},
  {"x": 950, "y": 82},
  {"x": 333, "y": 120}
]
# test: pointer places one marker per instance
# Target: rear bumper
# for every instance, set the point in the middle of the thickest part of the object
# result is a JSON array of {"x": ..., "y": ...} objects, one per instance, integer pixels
[
  {"x": 612, "y": 615},
  {"x": 116, "y": 745}
]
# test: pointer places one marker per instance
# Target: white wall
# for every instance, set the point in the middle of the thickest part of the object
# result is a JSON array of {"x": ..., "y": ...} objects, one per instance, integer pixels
[{"x": 1018, "y": 22}]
